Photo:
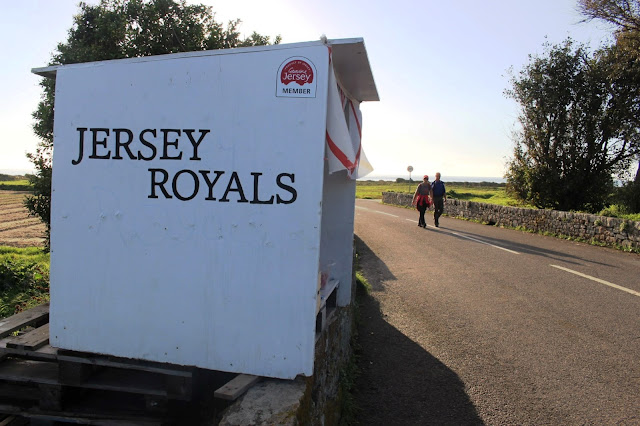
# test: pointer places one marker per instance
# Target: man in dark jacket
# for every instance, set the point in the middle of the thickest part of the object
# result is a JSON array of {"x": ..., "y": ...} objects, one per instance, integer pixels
[{"x": 439, "y": 197}]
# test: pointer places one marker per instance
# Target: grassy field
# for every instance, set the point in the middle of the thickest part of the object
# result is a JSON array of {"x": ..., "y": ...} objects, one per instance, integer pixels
[
  {"x": 483, "y": 193},
  {"x": 468, "y": 191},
  {"x": 16, "y": 185},
  {"x": 24, "y": 279},
  {"x": 16, "y": 182}
]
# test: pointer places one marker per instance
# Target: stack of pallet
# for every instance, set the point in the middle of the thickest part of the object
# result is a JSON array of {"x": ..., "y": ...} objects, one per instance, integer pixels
[{"x": 38, "y": 381}]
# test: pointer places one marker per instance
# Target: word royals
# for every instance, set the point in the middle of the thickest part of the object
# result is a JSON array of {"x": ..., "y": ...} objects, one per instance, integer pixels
[{"x": 160, "y": 185}]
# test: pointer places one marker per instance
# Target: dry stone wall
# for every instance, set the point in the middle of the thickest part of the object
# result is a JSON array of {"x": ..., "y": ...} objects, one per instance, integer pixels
[{"x": 606, "y": 230}]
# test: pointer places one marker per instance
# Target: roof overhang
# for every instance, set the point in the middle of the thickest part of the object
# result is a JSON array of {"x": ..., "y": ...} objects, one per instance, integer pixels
[{"x": 349, "y": 56}]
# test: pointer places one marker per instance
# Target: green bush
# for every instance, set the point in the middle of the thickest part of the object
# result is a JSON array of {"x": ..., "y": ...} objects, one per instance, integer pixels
[
  {"x": 628, "y": 197},
  {"x": 17, "y": 179},
  {"x": 24, "y": 279},
  {"x": 616, "y": 210},
  {"x": 625, "y": 226}
]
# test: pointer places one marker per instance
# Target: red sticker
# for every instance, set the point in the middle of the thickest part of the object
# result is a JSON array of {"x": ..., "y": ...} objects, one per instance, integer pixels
[{"x": 297, "y": 71}]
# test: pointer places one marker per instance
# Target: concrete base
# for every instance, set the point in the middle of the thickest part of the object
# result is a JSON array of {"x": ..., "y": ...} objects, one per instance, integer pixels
[
  {"x": 306, "y": 400},
  {"x": 270, "y": 402}
]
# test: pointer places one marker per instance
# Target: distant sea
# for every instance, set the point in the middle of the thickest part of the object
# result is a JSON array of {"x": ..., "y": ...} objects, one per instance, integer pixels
[{"x": 444, "y": 178}]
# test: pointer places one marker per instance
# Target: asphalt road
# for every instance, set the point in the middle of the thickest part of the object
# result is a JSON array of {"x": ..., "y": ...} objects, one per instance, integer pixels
[{"x": 528, "y": 329}]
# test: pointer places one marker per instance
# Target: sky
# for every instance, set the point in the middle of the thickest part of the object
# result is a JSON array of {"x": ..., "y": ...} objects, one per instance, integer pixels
[{"x": 441, "y": 69}]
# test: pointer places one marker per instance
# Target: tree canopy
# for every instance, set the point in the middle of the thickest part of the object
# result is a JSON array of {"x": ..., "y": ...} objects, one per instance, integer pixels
[
  {"x": 575, "y": 129},
  {"x": 580, "y": 118},
  {"x": 624, "y": 15},
  {"x": 116, "y": 29},
  {"x": 623, "y": 57}
]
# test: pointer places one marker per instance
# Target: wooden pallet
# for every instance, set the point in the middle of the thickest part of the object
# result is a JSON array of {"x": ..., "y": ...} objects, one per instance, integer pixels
[
  {"x": 40, "y": 382},
  {"x": 43, "y": 382}
]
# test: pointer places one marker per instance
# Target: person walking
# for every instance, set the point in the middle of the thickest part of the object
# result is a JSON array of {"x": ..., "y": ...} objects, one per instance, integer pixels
[
  {"x": 439, "y": 197},
  {"x": 422, "y": 199}
]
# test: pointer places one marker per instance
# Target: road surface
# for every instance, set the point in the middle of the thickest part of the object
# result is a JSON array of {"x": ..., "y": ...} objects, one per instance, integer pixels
[{"x": 474, "y": 324}]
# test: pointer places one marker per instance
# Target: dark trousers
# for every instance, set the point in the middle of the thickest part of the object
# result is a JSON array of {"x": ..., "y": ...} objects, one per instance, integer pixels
[
  {"x": 422, "y": 208},
  {"x": 438, "y": 207}
]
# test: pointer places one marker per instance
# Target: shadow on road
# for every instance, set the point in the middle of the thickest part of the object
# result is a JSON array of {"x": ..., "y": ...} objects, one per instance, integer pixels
[
  {"x": 400, "y": 383},
  {"x": 525, "y": 248},
  {"x": 377, "y": 270}
]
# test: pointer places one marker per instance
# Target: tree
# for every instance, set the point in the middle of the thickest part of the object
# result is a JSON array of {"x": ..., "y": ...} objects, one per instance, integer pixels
[
  {"x": 624, "y": 14},
  {"x": 624, "y": 58},
  {"x": 117, "y": 29},
  {"x": 575, "y": 131}
]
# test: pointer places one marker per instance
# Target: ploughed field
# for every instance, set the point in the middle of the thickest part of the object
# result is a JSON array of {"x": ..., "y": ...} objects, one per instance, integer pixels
[{"x": 17, "y": 229}]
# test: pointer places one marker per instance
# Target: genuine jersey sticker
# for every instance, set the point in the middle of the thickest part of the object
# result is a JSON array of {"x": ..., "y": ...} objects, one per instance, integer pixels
[{"x": 296, "y": 78}]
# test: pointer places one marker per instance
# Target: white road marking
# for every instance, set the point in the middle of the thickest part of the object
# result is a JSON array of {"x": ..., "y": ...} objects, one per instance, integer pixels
[
  {"x": 484, "y": 242},
  {"x": 455, "y": 233},
  {"x": 598, "y": 280},
  {"x": 376, "y": 211},
  {"x": 388, "y": 214}
]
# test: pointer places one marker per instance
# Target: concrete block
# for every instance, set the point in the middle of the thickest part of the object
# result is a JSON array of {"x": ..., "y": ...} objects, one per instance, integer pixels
[{"x": 270, "y": 402}]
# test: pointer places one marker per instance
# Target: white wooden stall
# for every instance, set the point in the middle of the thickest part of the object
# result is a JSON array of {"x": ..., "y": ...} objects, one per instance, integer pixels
[{"x": 194, "y": 209}]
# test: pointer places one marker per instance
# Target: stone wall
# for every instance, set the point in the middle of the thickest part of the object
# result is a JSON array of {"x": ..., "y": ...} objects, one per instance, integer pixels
[{"x": 607, "y": 230}]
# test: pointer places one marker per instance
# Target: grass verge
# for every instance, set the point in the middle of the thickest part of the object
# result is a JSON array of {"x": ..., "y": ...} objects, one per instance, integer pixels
[{"x": 350, "y": 373}]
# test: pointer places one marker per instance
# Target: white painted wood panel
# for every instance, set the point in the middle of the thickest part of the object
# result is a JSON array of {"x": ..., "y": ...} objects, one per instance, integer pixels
[{"x": 226, "y": 284}]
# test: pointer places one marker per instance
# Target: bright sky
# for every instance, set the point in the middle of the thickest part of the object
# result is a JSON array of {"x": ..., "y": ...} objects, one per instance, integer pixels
[{"x": 440, "y": 69}]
